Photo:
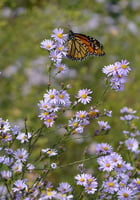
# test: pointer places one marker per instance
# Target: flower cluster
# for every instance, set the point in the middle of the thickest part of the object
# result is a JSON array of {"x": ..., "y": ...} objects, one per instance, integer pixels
[
  {"x": 88, "y": 182},
  {"x": 117, "y": 74},
  {"x": 54, "y": 100},
  {"x": 57, "y": 49}
]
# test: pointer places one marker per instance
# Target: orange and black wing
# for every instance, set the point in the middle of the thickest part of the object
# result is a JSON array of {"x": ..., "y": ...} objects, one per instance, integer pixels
[{"x": 80, "y": 46}]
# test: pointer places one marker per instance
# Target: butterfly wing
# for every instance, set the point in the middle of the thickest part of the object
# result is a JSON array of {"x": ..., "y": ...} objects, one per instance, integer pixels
[{"x": 80, "y": 46}]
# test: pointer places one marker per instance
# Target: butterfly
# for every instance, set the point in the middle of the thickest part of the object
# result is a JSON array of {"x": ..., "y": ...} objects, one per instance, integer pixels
[{"x": 80, "y": 46}]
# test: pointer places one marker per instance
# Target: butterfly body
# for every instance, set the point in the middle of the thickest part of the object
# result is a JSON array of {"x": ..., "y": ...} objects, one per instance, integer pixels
[{"x": 80, "y": 46}]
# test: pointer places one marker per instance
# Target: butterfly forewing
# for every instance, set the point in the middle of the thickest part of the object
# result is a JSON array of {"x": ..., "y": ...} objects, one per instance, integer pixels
[{"x": 80, "y": 46}]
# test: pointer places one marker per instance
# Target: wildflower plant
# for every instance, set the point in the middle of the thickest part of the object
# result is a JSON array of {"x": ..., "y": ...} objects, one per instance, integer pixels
[{"x": 24, "y": 176}]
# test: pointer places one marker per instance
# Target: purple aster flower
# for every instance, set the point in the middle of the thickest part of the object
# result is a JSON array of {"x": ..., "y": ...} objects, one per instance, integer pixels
[
  {"x": 53, "y": 165},
  {"x": 15, "y": 130},
  {"x": 62, "y": 49},
  {"x": 49, "y": 120},
  {"x": 47, "y": 44},
  {"x": 127, "y": 110},
  {"x": 61, "y": 68},
  {"x": 55, "y": 56},
  {"x": 51, "y": 96},
  {"x": 125, "y": 193},
  {"x": 110, "y": 185},
  {"x": 91, "y": 189},
  {"x": 81, "y": 114},
  {"x": 64, "y": 98},
  {"x": 129, "y": 117},
  {"x": 50, "y": 152},
  {"x": 103, "y": 148},
  {"x": 17, "y": 166},
  {"x": 123, "y": 69},
  {"x": 59, "y": 35},
  {"x": 110, "y": 70},
  {"x": 136, "y": 183},
  {"x": 115, "y": 158},
  {"x": 6, "y": 174},
  {"x": 23, "y": 137},
  {"x": 105, "y": 163},
  {"x": 19, "y": 186},
  {"x": 21, "y": 155},
  {"x": 132, "y": 144},
  {"x": 83, "y": 96},
  {"x": 64, "y": 188},
  {"x": 108, "y": 113},
  {"x": 104, "y": 125},
  {"x": 82, "y": 179},
  {"x": 4, "y": 126},
  {"x": 30, "y": 167},
  {"x": 6, "y": 137},
  {"x": 8, "y": 161}
]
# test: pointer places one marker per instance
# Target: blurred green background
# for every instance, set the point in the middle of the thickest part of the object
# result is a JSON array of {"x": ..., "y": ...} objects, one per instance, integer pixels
[{"x": 25, "y": 23}]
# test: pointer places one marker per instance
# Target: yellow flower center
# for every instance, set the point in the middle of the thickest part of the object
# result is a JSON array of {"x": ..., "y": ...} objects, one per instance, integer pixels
[
  {"x": 48, "y": 46},
  {"x": 49, "y": 120},
  {"x": 107, "y": 164},
  {"x": 61, "y": 96},
  {"x": 111, "y": 184},
  {"x": 46, "y": 113},
  {"x": 51, "y": 96},
  {"x": 125, "y": 194},
  {"x": 138, "y": 182},
  {"x": 84, "y": 96},
  {"x": 119, "y": 165},
  {"x": 82, "y": 116},
  {"x": 82, "y": 179},
  {"x": 61, "y": 68},
  {"x": 105, "y": 148},
  {"x": 60, "y": 48},
  {"x": 124, "y": 66},
  {"x": 49, "y": 152},
  {"x": 20, "y": 156},
  {"x": 59, "y": 35},
  {"x": 75, "y": 124},
  {"x": 90, "y": 180}
]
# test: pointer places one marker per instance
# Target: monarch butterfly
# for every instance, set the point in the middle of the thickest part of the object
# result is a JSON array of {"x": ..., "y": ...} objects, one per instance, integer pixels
[{"x": 80, "y": 46}]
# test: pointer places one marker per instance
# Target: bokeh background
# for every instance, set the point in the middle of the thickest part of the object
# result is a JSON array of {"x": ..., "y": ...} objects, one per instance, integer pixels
[{"x": 24, "y": 65}]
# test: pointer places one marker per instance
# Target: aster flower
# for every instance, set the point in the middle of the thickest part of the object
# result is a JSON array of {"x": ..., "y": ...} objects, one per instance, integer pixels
[
  {"x": 21, "y": 155},
  {"x": 64, "y": 188},
  {"x": 91, "y": 189},
  {"x": 105, "y": 163},
  {"x": 110, "y": 185},
  {"x": 53, "y": 165},
  {"x": 6, "y": 174},
  {"x": 125, "y": 193},
  {"x": 83, "y": 96},
  {"x": 81, "y": 179},
  {"x": 132, "y": 144},
  {"x": 47, "y": 44},
  {"x": 59, "y": 36},
  {"x": 23, "y": 137},
  {"x": 64, "y": 98},
  {"x": 15, "y": 130},
  {"x": 6, "y": 137},
  {"x": 19, "y": 185},
  {"x": 108, "y": 113},
  {"x": 55, "y": 56},
  {"x": 51, "y": 96},
  {"x": 50, "y": 152},
  {"x": 49, "y": 120},
  {"x": 61, "y": 68},
  {"x": 128, "y": 117},
  {"x": 81, "y": 115},
  {"x": 127, "y": 110},
  {"x": 103, "y": 148},
  {"x": 104, "y": 125},
  {"x": 117, "y": 73},
  {"x": 17, "y": 166},
  {"x": 4, "y": 126},
  {"x": 115, "y": 158}
]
